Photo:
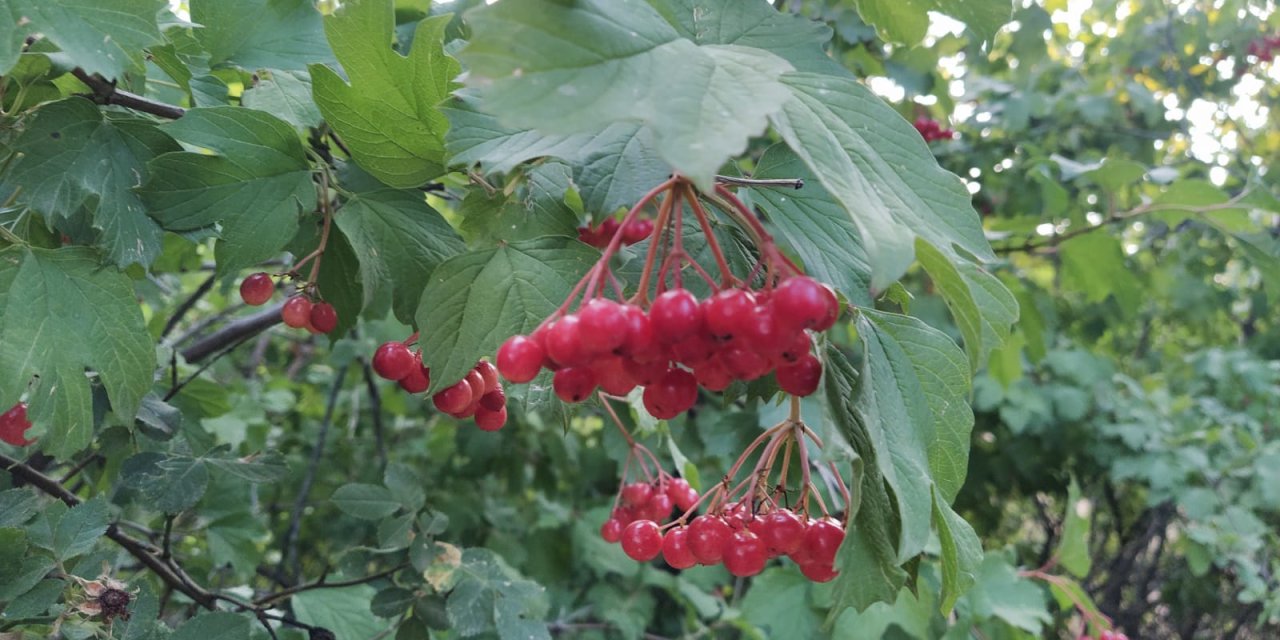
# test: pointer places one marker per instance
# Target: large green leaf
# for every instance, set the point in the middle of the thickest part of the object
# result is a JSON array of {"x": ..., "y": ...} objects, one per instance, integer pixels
[
  {"x": 475, "y": 301},
  {"x": 260, "y": 34},
  {"x": 1000, "y": 592},
  {"x": 398, "y": 240},
  {"x": 536, "y": 208},
  {"x": 388, "y": 115},
  {"x": 874, "y": 163},
  {"x": 907, "y": 22},
  {"x": 570, "y": 68},
  {"x": 285, "y": 95},
  {"x": 214, "y": 625},
  {"x": 254, "y": 187},
  {"x": 961, "y": 551},
  {"x": 73, "y": 157},
  {"x": 70, "y": 531},
  {"x": 814, "y": 225},
  {"x": 62, "y": 313},
  {"x": 795, "y": 38},
  {"x": 983, "y": 308},
  {"x": 1094, "y": 264},
  {"x": 343, "y": 611},
  {"x": 100, "y": 36},
  {"x": 779, "y": 601},
  {"x": 486, "y": 595},
  {"x": 365, "y": 501}
]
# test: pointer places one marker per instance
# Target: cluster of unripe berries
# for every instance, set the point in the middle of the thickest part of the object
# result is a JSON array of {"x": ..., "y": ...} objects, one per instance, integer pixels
[
  {"x": 14, "y": 425},
  {"x": 681, "y": 343},
  {"x": 1264, "y": 49},
  {"x": 932, "y": 130},
  {"x": 737, "y": 538},
  {"x": 599, "y": 235},
  {"x": 479, "y": 395},
  {"x": 298, "y": 312}
]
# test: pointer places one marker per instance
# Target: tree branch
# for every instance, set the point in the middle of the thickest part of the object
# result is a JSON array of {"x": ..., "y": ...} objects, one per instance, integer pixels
[
  {"x": 106, "y": 93},
  {"x": 233, "y": 332},
  {"x": 186, "y": 306},
  {"x": 322, "y": 584}
]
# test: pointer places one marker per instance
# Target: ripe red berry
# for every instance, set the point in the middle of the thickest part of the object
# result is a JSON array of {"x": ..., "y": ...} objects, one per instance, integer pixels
[
  {"x": 574, "y": 384},
  {"x": 818, "y": 572},
  {"x": 762, "y": 333},
  {"x": 393, "y": 361},
  {"x": 671, "y": 395},
  {"x": 419, "y": 377},
  {"x": 324, "y": 318},
  {"x": 14, "y": 425},
  {"x": 494, "y": 400},
  {"x": 489, "y": 374},
  {"x": 675, "y": 549},
  {"x": 490, "y": 420},
  {"x": 797, "y": 347},
  {"x": 453, "y": 399},
  {"x": 636, "y": 231},
  {"x": 613, "y": 376},
  {"x": 800, "y": 302},
  {"x": 564, "y": 342},
  {"x": 822, "y": 540},
  {"x": 642, "y": 540},
  {"x": 257, "y": 289},
  {"x": 712, "y": 375},
  {"x": 637, "y": 493},
  {"x": 646, "y": 373},
  {"x": 603, "y": 326},
  {"x": 520, "y": 359},
  {"x": 781, "y": 531},
  {"x": 674, "y": 315},
  {"x": 297, "y": 312},
  {"x": 611, "y": 530},
  {"x": 744, "y": 554},
  {"x": 640, "y": 344},
  {"x": 659, "y": 506},
  {"x": 683, "y": 495},
  {"x": 801, "y": 377},
  {"x": 745, "y": 363},
  {"x": 727, "y": 313},
  {"x": 708, "y": 536}
]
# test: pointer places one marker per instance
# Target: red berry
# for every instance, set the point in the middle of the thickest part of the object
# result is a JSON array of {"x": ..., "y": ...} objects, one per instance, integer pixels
[
  {"x": 645, "y": 373},
  {"x": 671, "y": 395},
  {"x": 324, "y": 318},
  {"x": 564, "y": 342},
  {"x": 675, "y": 549},
  {"x": 297, "y": 312},
  {"x": 781, "y": 531},
  {"x": 822, "y": 540},
  {"x": 642, "y": 540},
  {"x": 419, "y": 377},
  {"x": 818, "y": 572},
  {"x": 257, "y": 289},
  {"x": 494, "y": 400},
  {"x": 453, "y": 399},
  {"x": 800, "y": 302},
  {"x": 727, "y": 313},
  {"x": 490, "y": 420},
  {"x": 14, "y": 425},
  {"x": 613, "y": 376},
  {"x": 683, "y": 495},
  {"x": 636, "y": 231},
  {"x": 394, "y": 361},
  {"x": 490, "y": 376},
  {"x": 708, "y": 536},
  {"x": 659, "y": 506},
  {"x": 694, "y": 349},
  {"x": 797, "y": 347},
  {"x": 574, "y": 384},
  {"x": 833, "y": 308},
  {"x": 603, "y": 326},
  {"x": 745, "y": 363},
  {"x": 674, "y": 315},
  {"x": 478, "y": 386},
  {"x": 801, "y": 377},
  {"x": 637, "y": 493},
  {"x": 762, "y": 332},
  {"x": 611, "y": 530},
  {"x": 520, "y": 359},
  {"x": 744, "y": 555},
  {"x": 713, "y": 376},
  {"x": 640, "y": 344}
]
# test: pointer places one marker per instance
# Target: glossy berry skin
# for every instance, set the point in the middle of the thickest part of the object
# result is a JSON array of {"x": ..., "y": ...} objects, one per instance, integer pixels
[
  {"x": 640, "y": 344},
  {"x": 818, "y": 572},
  {"x": 642, "y": 540},
  {"x": 324, "y": 318},
  {"x": 574, "y": 384},
  {"x": 745, "y": 363},
  {"x": 822, "y": 540},
  {"x": 296, "y": 312},
  {"x": 659, "y": 506},
  {"x": 800, "y": 302},
  {"x": 613, "y": 376},
  {"x": 453, "y": 399},
  {"x": 520, "y": 359},
  {"x": 494, "y": 400},
  {"x": 727, "y": 313},
  {"x": 672, "y": 395},
  {"x": 781, "y": 531},
  {"x": 675, "y": 549},
  {"x": 744, "y": 554},
  {"x": 708, "y": 536},
  {"x": 564, "y": 342},
  {"x": 489, "y": 374},
  {"x": 419, "y": 377},
  {"x": 611, "y": 530},
  {"x": 489, "y": 420},
  {"x": 637, "y": 493},
  {"x": 14, "y": 425},
  {"x": 797, "y": 346},
  {"x": 674, "y": 315},
  {"x": 393, "y": 361},
  {"x": 257, "y": 289},
  {"x": 603, "y": 326},
  {"x": 636, "y": 231},
  {"x": 801, "y": 377},
  {"x": 681, "y": 494}
]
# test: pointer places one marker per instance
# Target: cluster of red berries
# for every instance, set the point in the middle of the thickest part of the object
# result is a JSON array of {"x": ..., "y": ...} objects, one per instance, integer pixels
[
  {"x": 599, "y": 235},
  {"x": 299, "y": 311},
  {"x": 648, "y": 501},
  {"x": 679, "y": 344},
  {"x": 932, "y": 130},
  {"x": 741, "y": 540},
  {"x": 14, "y": 425},
  {"x": 1264, "y": 49},
  {"x": 479, "y": 395}
]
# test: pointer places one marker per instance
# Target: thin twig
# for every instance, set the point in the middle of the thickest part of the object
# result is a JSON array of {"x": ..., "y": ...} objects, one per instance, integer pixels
[
  {"x": 284, "y": 594},
  {"x": 789, "y": 183},
  {"x": 186, "y": 306},
  {"x": 375, "y": 409},
  {"x": 107, "y": 93}
]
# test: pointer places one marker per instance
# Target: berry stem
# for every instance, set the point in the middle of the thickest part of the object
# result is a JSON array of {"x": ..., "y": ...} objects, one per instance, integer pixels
[
  {"x": 660, "y": 224},
  {"x": 726, "y": 277}
]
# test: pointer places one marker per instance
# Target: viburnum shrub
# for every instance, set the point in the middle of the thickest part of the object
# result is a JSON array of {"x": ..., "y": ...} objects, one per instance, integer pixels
[
  {"x": 305, "y": 309},
  {"x": 662, "y": 337},
  {"x": 479, "y": 395}
]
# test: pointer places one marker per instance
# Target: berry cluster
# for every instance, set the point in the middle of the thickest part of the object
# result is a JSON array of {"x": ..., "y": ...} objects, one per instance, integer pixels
[
  {"x": 1264, "y": 48},
  {"x": 14, "y": 425},
  {"x": 932, "y": 130},
  {"x": 479, "y": 395},
  {"x": 599, "y": 235},
  {"x": 298, "y": 312},
  {"x": 648, "y": 502}
]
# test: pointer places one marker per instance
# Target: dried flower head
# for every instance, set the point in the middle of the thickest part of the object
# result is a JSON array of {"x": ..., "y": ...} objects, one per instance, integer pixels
[{"x": 104, "y": 596}]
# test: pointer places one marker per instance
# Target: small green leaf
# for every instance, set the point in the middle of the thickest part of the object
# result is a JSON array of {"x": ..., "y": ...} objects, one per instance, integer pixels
[
  {"x": 17, "y": 506},
  {"x": 1073, "y": 549},
  {"x": 69, "y": 532},
  {"x": 285, "y": 95},
  {"x": 157, "y": 418},
  {"x": 257, "y": 468},
  {"x": 214, "y": 625},
  {"x": 388, "y": 115},
  {"x": 779, "y": 601},
  {"x": 171, "y": 484},
  {"x": 61, "y": 313},
  {"x": 1000, "y": 592},
  {"x": 907, "y": 22},
  {"x": 100, "y": 36},
  {"x": 365, "y": 501},
  {"x": 1094, "y": 264},
  {"x": 982, "y": 307},
  {"x": 535, "y": 209},
  {"x": 487, "y": 596},
  {"x": 260, "y": 34},
  {"x": 35, "y": 602},
  {"x": 343, "y": 611},
  {"x": 406, "y": 486},
  {"x": 961, "y": 552}
]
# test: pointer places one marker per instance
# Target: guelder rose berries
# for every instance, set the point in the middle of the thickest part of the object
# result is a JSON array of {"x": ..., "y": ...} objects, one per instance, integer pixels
[
  {"x": 14, "y": 425},
  {"x": 257, "y": 289},
  {"x": 478, "y": 395}
]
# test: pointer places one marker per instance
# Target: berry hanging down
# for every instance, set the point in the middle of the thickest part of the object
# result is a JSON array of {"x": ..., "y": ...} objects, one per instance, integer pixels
[{"x": 479, "y": 395}]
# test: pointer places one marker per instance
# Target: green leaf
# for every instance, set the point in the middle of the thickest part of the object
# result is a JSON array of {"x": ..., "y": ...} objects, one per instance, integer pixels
[
  {"x": 365, "y": 501},
  {"x": 1000, "y": 592},
  {"x": 69, "y": 532},
  {"x": 907, "y": 22},
  {"x": 477, "y": 138},
  {"x": 618, "y": 167},
  {"x": 260, "y": 34},
  {"x": 983, "y": 308},
  {"x": 214, "y": 625},
  {"x": 475, "y": 301},
  {"x": 791, "y": 36},
  {"x": 13, "y": 548},
  {"x": 405, "y": 485},
  {"x": 171, "y": 484},
  {"x": 17, "y": 506},
  {"x": 814, "y": 225},
  {"x": 285, "y": 95},
  {"x": 487, "y": 596},
  {"x": 1073, "y": 549},
  {"x": 343, "y": 611},
  {"x": 877, "y": 167},
  {"x": 254, "y": 187},
  {"x": 73, "y": 157},
  {"x": 36, "y": 601},
  {"x": 961, "y": 552},
  {"x": 157, "y": 418},
  {"x": 779, "y": 601},
  {"x": 100, "y": 36},
  {"x": 399, "y": 241},
  {"x": 340, "y": 281},
  {"x": 535, "y": 208},
  {"x": 12, "y": 37},
  {"x": 61, "y": 313},
  {"x": 577, "y": 68},
  {"x": 1187, "y": 199},
  {"x": 388, "y": 115},
  {"x": 257, "y": 468},
  {"x": 1094, "y": 264}
]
